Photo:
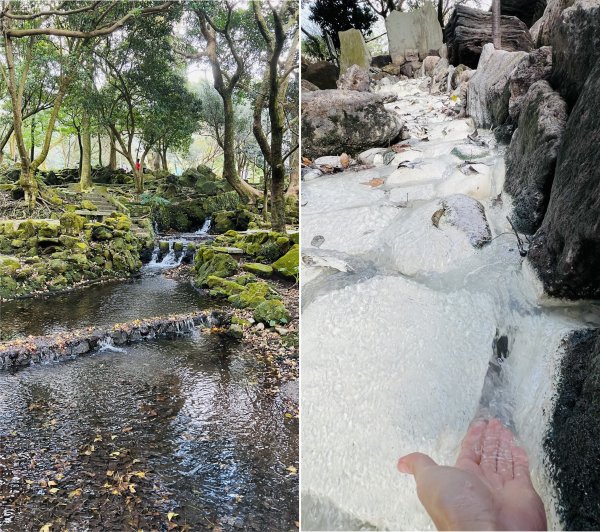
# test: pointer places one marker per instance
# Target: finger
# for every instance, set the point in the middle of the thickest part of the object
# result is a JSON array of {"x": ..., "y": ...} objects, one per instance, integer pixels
[
  {"x": 415, "y": 464},
  {"x": 505, "y": 457},
  {"x": 520, "y": 464},
  {"x": 491, "y": 440},
  {"x": 470, "y": 450}
]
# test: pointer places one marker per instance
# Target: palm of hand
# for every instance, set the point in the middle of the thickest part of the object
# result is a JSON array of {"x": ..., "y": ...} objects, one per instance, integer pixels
[{"x": 489, "y": 488}]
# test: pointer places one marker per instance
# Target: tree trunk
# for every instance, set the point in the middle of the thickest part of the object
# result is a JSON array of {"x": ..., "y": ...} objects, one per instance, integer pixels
[
  {"x": 440, "y": 13},
  {"x": 80, "y": 146},
  {"x": 32, "y": 148},
  {"x": 230, "y": 173},
  {"x": 294, "y": 186},
  {"x": 85, "y": 170},
  {"x": 156, "y": 161},
  {"x": 113, "y": 153},
  {"x": 99, "y": 151},
  {"x": 163, "y": 156},
  {"x": 496, "y": 30}
]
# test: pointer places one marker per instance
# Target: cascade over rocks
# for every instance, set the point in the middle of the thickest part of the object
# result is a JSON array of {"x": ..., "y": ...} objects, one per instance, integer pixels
[
  {"x": 566, "y": 249},
  {"x": 529, "y": 11},
  {"x": 488, "y": 96},
  {"x": 338, "y": 121},
  {"x": 468, "y": 30},
  {"x": 531, "y": 156}
]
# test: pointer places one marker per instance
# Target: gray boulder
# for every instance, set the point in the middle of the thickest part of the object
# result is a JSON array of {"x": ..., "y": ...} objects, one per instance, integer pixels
[
  {"x": 531, "y": 156},
  {"x": 566, "y": 248},
  {"x": 307, "y": 86},
  {"x": 322, "y": 74},
  {"x": 467, "y": 215},
  {"x": 468, "y": 30},
  {"x": 355, "y": 79},
  {"x": 337, "y": 121},
  {"x": 489, "y": 94},
  {"x": 575, "y": 42},
  {"x": 534, "y": 67}
]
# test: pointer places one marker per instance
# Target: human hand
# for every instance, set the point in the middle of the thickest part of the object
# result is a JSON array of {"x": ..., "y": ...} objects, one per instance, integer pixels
[{"x": 488, "y": 489}]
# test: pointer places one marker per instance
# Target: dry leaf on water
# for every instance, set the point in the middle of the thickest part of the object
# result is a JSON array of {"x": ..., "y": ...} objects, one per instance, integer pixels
[
  {"x": 345, "y": 160},
  {"x": 375, "y": 182}
]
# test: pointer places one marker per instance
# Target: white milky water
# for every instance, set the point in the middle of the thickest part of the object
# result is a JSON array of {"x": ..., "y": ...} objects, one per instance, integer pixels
[{"x": 399, "y": 317}]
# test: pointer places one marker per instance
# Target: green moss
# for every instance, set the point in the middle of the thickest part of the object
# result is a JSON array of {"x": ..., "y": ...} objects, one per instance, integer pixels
[
  {"x": 9, "y": 265},
  {"x": 223, "y": 287},
  {"x": 263, "y": 270},
  {"x": 288, "y": 265},
  {"x": 208, "y": 263},
  {"x": 71, "y": 223},
  {"x": 88, "y": 205},
  {"x": 271, "y": 312},
  {"x": 58, "y": 266},
  {"x": 245, "y": 278},
  {"x": 253, "y": 295}
]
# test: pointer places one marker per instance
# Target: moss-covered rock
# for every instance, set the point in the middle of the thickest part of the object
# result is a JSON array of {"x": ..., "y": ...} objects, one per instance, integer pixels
[
  {"x": 288, "y": 265},
  {"x": 9, "y": 265},
  {"x": 223, "y": 287},
  {"x": 71, "y": 223},
  {"x": 271, "y": 312},
  {"x": 101, "y": 232},
  {"x": 88, "y": 205},
  {"x": 263, "y": 270},
  {"x": 253, "y": 295},
  {"x": 208, "y": 263}
]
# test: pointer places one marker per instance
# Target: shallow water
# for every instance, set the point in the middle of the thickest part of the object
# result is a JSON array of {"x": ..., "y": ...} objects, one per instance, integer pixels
[
  {"x": 128, "y": 435},
  {"x": 396, "y": 347}
]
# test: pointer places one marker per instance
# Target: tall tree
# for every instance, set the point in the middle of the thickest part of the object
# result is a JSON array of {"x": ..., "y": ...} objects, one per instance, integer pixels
[
  {"x": 282, "y": 30},
  {"x": 73, "y": 31},
  {"x": 496, "y": 30},
  {"x": 227, "y": 51}
]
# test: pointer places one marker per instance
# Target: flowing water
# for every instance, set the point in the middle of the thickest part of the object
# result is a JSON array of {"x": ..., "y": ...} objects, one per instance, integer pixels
[
  {"x": 127, "y": 437},
  {"x": 402, "y": 318}
]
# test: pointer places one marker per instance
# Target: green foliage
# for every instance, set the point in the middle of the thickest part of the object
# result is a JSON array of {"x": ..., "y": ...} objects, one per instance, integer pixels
[
  {"x": 153, "y": 200},
  {"x": 333, "y": 16}
]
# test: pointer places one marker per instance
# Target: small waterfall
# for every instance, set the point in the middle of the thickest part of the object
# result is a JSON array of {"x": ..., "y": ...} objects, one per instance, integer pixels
[
  {"x": 205, "y": 227},
  {"x": 106, "y": 344},
  {"x": 171, "y": 259}
]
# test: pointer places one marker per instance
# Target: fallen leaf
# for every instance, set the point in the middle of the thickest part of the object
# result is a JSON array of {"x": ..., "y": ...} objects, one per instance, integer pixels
[
  {"x": 53, "y": 490},
  {"x": 375, "y": 182},
  {"x": 170, "y": 515},
  {"x": 110, "y": 473},
  {"x": 292, "y": 470},
  {"x": 75, "y": 493},
  {"x": 46, "y": 528},
  {"x": 344, "y": 160}
]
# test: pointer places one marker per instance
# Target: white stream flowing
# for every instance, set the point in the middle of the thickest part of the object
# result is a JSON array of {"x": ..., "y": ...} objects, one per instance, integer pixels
[{"x": 399, "y": 317}]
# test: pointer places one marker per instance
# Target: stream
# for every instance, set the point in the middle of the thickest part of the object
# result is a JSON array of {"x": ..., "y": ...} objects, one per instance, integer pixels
[
  {"x": 403, "y": 318},
  {"x": 157, "y": 433}
]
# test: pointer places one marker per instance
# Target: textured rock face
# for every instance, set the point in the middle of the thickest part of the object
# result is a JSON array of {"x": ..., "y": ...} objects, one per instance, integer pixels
[
  {"x": 353, "y": 51},
  {"x": 379, "y": 61},
  {"x": 336, "y": 121},
  {"x": 467, "y": 215},
  {"x": 468, "y": 30},
  {"x": 526, "y": 10},
  {"x": 417, "y": 30},
  {"x": 531, "y": 156},
  {"x": 322, "y": 74},
  {"x": 307, "y": 86},
  {"x": 573, "y": 441},
  {"x": 535, "y": 67},
  {"x": 566, "y": 248},
  {"x": 429, "y": 64},
  {"x": 546, "y": 25},
  {"x": 489, "y": 94},
  {"x": 575, "y": 42},
  {"x": 355, "y": 79}
]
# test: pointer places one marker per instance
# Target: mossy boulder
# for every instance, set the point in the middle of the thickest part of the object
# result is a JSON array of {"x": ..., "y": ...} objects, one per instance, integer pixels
[
  {"x": 88, "y": 205},
  {"x": 101, "y": 232},
  {"x": 71, "y": 223},
  {"x": 9, "y": 265},
  {"x": 8, "y": 287},
  {"x": 263, "y": 270},
  {"x": 223, "y": 287},
  {"x": 253, "y": 295},
  {"x": 209, "y": 263},
  {"x": 271, "y": 312},
  {"x": 58, "y": 265},
  {"x": 288, "y": 265}
]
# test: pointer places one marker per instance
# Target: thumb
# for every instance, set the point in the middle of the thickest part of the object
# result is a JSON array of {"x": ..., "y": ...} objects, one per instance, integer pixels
[{"x": 415, "y": 463}]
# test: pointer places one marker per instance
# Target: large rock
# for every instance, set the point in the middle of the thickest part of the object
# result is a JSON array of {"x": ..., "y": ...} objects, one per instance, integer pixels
[
  {"x": 575, "y": 42},
  {"x": 416, "y": 30},
  {"x": 526, "y": 10},
  {"x": 468, "y": 30},
  {"x": 336, "y": 121},
  {"x": 355, "y": 79},
  {"x": 535, "y": 67},
  {"x": 467, "y": 215},
  {"x": 353, "y": 50},
  {"x": 531, "y": 156},
  {"x": 322, "y": 74},
  {"x": 566, "y": 248},
  {"x": 489, "y": 94}
]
